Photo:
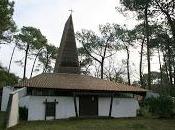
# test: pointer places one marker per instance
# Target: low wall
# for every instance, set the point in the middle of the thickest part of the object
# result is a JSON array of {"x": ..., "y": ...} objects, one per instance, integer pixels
[
  {"x": 12, "y": 110},
  {"x": 5, "y": 97}
]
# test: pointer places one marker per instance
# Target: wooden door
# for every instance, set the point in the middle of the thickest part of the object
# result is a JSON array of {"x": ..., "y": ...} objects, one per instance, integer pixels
[
  {"x": 88, "y": 106},
  {"x": 50, "y": 110}
]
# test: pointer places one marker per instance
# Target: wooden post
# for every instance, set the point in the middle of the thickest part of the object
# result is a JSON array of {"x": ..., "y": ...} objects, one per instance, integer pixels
[
  {"x": 75, "y": 105},
  {"x": 55, "y": 108},
  {"x": 45, "y": 108},
  {"x": 110, "y": 109}
]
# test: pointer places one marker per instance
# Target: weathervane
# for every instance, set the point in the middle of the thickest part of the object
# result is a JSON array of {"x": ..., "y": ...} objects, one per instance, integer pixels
[{"x": 71, "y": 11}]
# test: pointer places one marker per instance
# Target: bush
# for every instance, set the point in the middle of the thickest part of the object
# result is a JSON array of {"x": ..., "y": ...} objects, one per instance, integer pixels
[
  {"x": 23, "y": 113},
  {"x": 160, "y": 106},
  {"x": 144, "y": 111}
]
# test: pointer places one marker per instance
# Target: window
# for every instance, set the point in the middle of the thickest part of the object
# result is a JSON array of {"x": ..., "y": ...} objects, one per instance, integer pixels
[{"x": 50, "y": 109}]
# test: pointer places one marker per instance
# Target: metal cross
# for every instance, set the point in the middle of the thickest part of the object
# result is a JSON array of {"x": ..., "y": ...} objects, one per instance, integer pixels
[{"x": 71, "y": 11}]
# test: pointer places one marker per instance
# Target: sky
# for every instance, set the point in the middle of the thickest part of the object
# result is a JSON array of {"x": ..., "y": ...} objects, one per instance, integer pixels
[{"x": 50, "y": 16}]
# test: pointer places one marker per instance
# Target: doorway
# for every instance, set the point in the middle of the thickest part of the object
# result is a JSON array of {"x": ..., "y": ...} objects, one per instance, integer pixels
[{"x": 88, "y": 106}]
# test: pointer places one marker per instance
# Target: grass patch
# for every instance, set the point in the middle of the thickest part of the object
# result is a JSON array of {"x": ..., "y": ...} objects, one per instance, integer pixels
[
  {"x": 100, "y": 124},
  {"x": 2, "y": 117},
  {"x": 97, "y": 124}
]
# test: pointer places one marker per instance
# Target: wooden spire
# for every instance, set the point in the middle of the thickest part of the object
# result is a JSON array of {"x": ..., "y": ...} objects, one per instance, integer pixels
[{"x": 67, "y": 56}]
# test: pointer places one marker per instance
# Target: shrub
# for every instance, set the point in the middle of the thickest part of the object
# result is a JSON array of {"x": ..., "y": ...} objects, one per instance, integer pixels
[
  {"x": 23, "y": 113},
  {"x": 161, "y": 106},
  {"x": 144, "y": 111}
]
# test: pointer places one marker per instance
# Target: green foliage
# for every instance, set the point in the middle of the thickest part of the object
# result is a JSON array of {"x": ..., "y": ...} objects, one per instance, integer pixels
[
  {"x": 163, "y": 87},
  {"x": 85, "y": 60},
  {"x": 47, "y": 55},
  {"x": 31, "y": 36},
  {"x": 144, "y": 111},
  {"x": 117, "y": 78},
  {"x": 7, "y": 78},
  {"x": 98, "y": 47},
  {"x": 161, "y": 106},
  {"x": 7, "y": 24},
  {"x": 30, "y": 39},
  {"x": 23, "y": 113}
]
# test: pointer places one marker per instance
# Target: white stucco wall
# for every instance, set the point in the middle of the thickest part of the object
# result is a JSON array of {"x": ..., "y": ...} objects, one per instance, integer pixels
[
  {"x": 24, "y": 101},
  {"x": 121, "y": 107},
  {"x": 64, "y": 108},
  {"x": 13, "y": 112},
  {"x": 5, "y": 97},
  {"x": 103, "y": 106},
  {"x": 125, "y": 107}
]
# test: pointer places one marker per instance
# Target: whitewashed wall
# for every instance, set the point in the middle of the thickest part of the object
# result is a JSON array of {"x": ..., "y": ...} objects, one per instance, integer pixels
[
  {"x": 121, "y": 107},
  {"x": 24, "y": 101},
  {"x": 5, "y": 97},
  {"x": 103, "y": 106},
  {"x": 64, "y": 108},
  {"x": 13, "y": 112},
  {"x": 125, "y": 107}
]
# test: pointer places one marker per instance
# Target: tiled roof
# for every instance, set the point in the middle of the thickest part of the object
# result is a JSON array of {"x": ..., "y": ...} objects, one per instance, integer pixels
[{"x": 76, "y": 82}]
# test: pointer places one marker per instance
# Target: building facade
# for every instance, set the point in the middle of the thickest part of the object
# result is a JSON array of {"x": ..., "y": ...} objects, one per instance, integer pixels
[{"x": 66, "y": 93}]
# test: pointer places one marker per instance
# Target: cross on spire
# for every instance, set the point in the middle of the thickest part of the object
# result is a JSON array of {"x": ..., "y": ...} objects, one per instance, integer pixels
[
  {"x": 67, "y": 58},
  {"x": 71, "y": 11}
]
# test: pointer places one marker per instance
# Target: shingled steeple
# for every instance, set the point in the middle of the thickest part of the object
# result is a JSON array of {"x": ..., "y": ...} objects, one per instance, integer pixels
[{"x": 67, "y": 57}]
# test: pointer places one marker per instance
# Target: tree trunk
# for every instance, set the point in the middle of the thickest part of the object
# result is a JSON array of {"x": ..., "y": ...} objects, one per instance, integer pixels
[
  {"x": 102, "y": 64},
  {"x": 46, "y": 65},
  {"x": 33, "y": 66},
  {"x": 166, "y": 68},
  {"x": 160, "y": 67},
  {"x": 11, "y": 58},
  {"x": 148, "y": 46},
  {"x": 169, "y": 19},
  {"x": 172, "y": 25},
  {"x": 141, "y": 60},
  {"x": 174, "y": 76},
  {"x": 103, "y": 58},
  {"x": 25, "y": 62},
  {"x": 170, "y": 66},
  {"x": 128, "y": 70},
  {"x": 34, "y": 63}
]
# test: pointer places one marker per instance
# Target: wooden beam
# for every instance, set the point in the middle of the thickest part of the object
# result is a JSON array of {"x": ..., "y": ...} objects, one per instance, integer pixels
[
  {"x": 110, "y": 109},
  {"x": 75, "y": 105},
  {"x": 55, "y": 101},
  {"x": 45, "y": 108}
]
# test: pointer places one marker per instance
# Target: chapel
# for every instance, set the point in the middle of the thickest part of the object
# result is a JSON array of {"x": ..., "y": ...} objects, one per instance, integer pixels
[{"x": 67, "y": 93}]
